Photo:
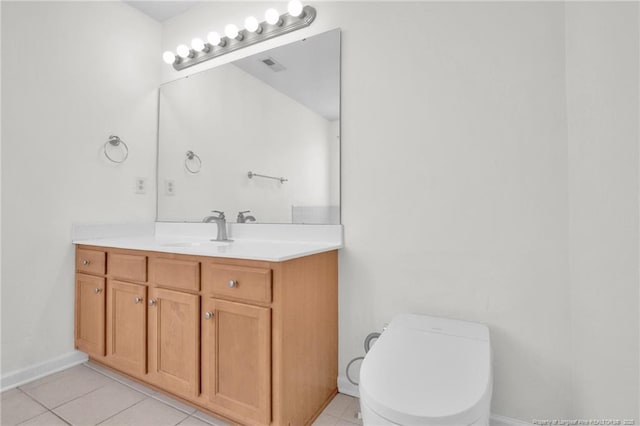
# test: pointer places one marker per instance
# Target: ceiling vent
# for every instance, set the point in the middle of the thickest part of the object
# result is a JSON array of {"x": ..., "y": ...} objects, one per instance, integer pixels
[{"x": 273, "y": 65}]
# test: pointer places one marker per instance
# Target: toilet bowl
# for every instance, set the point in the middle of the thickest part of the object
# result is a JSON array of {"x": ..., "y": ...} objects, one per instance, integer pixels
[{"x": 425, "y": 371}]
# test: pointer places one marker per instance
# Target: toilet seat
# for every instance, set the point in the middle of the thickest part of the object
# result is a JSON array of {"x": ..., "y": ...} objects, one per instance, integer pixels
[{"x": 428, "y": 371}]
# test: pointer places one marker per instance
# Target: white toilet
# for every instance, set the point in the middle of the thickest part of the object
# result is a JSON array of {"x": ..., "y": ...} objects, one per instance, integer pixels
[{"x": 425, "y": 371}]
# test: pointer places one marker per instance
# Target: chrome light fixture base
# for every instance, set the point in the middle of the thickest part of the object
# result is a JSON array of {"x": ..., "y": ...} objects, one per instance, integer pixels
[{"x": 286, "y": 24}]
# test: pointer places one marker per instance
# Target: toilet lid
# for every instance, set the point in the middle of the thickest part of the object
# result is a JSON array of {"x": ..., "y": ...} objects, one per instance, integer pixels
[{"x": 417, "y": 376}]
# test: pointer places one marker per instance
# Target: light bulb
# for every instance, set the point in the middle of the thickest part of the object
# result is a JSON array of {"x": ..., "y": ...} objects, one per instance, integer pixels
[
  {"x": 214, "y": 38},
  {"x": 231, "y": 31},
  {"x": 183, "y": 51},
  {"x": 168, "y": 57},
  {"x": 294, "y": 8},
  {"x": 197, "y": 44},
  {"x": 252, "y": 25},
  {"x": 272, "y": 17}
]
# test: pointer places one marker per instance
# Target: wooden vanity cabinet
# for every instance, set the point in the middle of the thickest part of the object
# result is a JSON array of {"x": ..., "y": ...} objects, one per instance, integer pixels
[
  {"x": 90, "y": 314},
  {"x": 236, "y": 359},
  {"x": 174, "y": 341},
  {"x": 252, "y": 341},
  {"x": 127, "y": 327}
]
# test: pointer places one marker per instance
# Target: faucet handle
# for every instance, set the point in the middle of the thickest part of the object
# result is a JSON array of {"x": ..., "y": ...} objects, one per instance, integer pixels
[
  {"x": 246, "y": 211},
  {"x": 220, "y": 214}
]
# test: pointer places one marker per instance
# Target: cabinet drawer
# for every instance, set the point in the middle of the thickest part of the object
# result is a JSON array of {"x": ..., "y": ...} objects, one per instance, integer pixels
[
  {"x": 127, "y": 266},
  {"x": 182, "y": 274},
  {"x": 237, "y": 282},
  {"x": 91, "y": 261}
]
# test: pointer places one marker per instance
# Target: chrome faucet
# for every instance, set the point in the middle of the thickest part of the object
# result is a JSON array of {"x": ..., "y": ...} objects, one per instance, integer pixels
[
  {"x": 221, "y": 221},
  {"x": 244, "y": 219}
]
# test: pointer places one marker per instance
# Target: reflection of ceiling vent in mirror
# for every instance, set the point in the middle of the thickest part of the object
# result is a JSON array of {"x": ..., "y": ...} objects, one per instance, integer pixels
[{"x": 273, "y": 65}]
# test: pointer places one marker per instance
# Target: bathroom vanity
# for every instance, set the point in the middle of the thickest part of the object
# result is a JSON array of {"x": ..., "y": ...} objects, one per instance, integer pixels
[{"x": 247, "y": 332}]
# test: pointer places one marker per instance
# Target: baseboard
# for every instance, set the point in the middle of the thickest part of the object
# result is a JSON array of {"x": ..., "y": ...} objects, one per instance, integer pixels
[
  {"x": 348, "y": 388},
  {"x": 20, "y": 377},
  {"x": 497, "y": 420}
]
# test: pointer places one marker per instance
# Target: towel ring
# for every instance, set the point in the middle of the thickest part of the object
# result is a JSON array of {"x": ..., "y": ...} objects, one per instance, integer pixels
[
  {"x": 116, "y": 141},
  {"x": 192, "y": 156}
]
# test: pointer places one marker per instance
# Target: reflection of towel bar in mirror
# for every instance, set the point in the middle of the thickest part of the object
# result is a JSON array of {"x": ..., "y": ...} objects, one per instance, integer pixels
[
  {"x": 281, "y": 179},
  {"x": 115, "y": 141}
]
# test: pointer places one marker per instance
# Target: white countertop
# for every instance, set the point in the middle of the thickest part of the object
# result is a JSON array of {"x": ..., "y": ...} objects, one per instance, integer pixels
[{"x": 174, "y": 241}]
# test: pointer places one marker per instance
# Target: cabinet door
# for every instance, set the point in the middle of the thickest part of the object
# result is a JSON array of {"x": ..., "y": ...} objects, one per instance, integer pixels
[
  {"x": 126, "y": 327},
  {"x": 90, "y": 315},
  {"x": 236, "y": 358},
  {"x": 174, "y": 341}
]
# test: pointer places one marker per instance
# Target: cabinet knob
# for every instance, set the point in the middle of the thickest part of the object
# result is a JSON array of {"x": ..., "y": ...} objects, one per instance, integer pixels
[
  {"x": 233, "y": 283},
  {"x": 86, "y": 262},
  {"x": 152, "y": 302},
  {"x": 138, "y": 299},
  {"x": 97, "y": 290},
  {"x": 208, "y": 315}
]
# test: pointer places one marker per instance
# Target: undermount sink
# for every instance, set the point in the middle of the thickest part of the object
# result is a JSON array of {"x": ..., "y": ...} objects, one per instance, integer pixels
[{"x": 199, "y": 243}]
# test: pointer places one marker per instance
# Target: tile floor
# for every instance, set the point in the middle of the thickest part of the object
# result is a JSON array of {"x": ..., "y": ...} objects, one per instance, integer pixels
[{"x": 89, "y": 395}]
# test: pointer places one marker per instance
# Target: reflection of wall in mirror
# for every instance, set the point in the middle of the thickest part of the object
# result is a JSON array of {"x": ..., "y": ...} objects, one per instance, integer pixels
[
  {"x": 236, "y": 123},
  {"x": 323, "y": 214}
]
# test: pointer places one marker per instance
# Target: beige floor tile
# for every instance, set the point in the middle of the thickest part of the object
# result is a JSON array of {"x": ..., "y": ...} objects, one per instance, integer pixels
[
  {"x": 57, "y": 389},
  {"x": 45, "y": 419},
  {"x": 149, "y": 412},
  {"x": 121, "y": 378},
  {"x": 326, "y": 420},
  {"x": 17, "y": 407},
  {"x": 103, "y": 370},
  {"x": 175, "y": 403},
  {"x": 338, "y": 405},
  {"x": 210, "y": 419},
  {"x": 350, "y": 414},
  {"x": 192, "y": 421},
  {"x": 53, "y": 377},
  {"x": 99, "y": 405},
  {"x": 137, "y": 386},
  {"x": 10, "y": 393},
  {"x": 343, "y": 422}
]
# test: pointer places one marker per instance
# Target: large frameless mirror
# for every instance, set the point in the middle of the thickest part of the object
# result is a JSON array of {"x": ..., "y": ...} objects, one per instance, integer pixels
[{"x": 261, "y": 134}]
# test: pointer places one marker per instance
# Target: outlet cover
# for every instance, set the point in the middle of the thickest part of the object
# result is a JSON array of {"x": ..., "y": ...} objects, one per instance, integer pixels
[
  {"x": 169, "y": 187},
  {"x": 141, "y": 185}
]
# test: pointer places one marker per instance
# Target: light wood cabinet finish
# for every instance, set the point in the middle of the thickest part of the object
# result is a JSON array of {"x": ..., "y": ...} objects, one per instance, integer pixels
[
  {"x": 237, "y": 282},
  {"x": 127, "y": 326},
  {"x": 90, "y": 314},
  {"x": 129, "y": 267},
  {"x": 236, "y": 359},
  {"x": 174, "y": 273},
  {"x": 174, "y": 341},
  {"x": 90, "y": 261},
  {"x": 267, "y": 356}
]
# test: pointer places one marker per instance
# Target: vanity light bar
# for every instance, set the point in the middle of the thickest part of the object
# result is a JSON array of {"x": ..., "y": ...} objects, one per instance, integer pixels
[{"x": 298, "y": 17}]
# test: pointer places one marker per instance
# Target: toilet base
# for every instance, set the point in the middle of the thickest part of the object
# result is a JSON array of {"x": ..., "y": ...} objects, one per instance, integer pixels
[{"x": 371, "y": 418}]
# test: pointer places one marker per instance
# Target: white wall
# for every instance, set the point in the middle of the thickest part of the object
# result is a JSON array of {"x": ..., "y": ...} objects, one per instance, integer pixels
[
  {"x": 602, "y": 104},
  {"x": 73, "y": 73},
  {"x": 472, "y": 162},
  {"x": 236, "y": 123}
]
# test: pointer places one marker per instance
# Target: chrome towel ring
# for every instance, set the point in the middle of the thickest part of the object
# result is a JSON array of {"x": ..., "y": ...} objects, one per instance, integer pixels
[
  {"x": 115, "y": 141},
  {"x": 194, "y": 160}
]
